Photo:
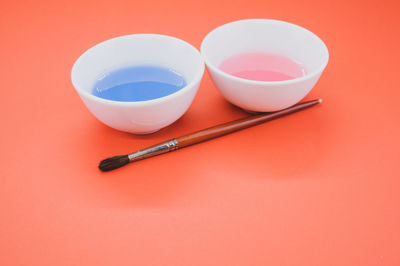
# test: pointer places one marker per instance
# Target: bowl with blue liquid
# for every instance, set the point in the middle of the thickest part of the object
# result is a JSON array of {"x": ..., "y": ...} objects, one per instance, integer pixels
[{"x": 138, "y": 83}]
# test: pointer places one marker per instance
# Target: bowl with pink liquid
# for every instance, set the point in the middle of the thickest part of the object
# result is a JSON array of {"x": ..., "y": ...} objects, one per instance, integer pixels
[{"x": 264, "y": 65}]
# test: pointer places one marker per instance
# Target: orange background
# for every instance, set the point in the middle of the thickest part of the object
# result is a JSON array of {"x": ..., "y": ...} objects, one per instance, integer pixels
[{"x": 320, "y": 187}]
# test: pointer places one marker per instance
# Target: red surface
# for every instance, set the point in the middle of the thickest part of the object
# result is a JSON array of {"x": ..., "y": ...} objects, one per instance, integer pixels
[{"x": 320, "y": 187}]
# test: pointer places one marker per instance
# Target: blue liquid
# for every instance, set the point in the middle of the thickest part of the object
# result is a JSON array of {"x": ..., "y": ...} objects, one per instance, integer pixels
[{"x": 138, "y": 83}]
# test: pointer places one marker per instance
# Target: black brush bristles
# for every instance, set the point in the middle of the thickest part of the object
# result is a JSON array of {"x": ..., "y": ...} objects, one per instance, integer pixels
[{"x": 113, "y": 163}]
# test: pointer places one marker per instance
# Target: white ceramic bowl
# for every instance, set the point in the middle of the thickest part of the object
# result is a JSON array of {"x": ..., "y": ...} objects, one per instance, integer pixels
[
  {"x": 271, "y": 36},
  {"x": 138, "y": 49}
]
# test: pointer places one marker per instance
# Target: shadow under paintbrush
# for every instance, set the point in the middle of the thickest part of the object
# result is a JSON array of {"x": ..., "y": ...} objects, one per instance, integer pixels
[{"x": 147, "y": 183}]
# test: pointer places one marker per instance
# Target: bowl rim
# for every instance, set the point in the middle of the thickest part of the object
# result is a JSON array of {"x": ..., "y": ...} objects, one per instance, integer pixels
[
  {"x": 190, "y": 85},
  {"x": 216, "y": 69}
]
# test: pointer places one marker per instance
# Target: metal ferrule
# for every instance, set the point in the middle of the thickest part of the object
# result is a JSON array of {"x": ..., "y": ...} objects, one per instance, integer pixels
[{"x": 157, "y": 149}]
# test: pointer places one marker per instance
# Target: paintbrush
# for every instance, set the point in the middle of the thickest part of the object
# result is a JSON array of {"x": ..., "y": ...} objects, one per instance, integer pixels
[{"x": 200, "y": 136}]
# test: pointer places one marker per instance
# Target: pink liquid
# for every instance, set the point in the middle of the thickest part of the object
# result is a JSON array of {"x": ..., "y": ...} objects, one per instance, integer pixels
[{"x": 263, "y": 67}]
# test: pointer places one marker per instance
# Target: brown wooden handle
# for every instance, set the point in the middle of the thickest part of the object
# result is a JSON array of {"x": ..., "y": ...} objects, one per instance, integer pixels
[{"x": 229, "y": 127}]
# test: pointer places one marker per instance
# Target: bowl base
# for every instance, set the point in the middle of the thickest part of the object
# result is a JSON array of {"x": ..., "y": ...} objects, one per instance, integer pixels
[
  {"x": 144, "y": 133},
  {"x": 252, "y": 112}
]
